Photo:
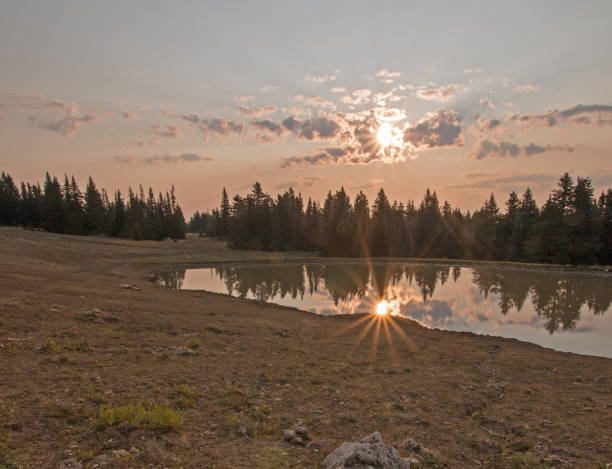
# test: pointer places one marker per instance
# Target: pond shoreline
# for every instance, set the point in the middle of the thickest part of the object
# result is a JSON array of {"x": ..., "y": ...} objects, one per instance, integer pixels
[{"x": 73, "y": 340}]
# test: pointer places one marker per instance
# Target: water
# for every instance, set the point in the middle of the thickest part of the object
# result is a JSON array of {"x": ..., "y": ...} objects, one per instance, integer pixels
[{"x": 568, "y": 311}]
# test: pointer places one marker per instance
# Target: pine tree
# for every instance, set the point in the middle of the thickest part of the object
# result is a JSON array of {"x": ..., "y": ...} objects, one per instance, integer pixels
[
  {"x": 9, "y": 200},
  {"x": 605, "y": 252},
  {"x": 584, "y": 224},
  {"x": 94, "y": 209},
  {"x": 53, "y": 206}
]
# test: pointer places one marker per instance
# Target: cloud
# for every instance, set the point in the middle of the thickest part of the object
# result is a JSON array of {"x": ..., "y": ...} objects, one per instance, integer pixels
[
  {"x": 441, "y": 94},
  {"x": 313, "y": 101},
  {"x": 436, "y": 129},
  {"x": 243, "y": 97},
  {"x": 67, "y": 120},
  {"x": 140, "y": 143},
  {"x": 170, "y": 131},
  {"x": 386, "y": 76},
  {"x": 506, "y": 179},
  {"x": 67, "y": 127},
  {"x": 217, "y": 126},
  {"x": 314, "y": 128},
  {"x": 268, "y": 88},
  {"x": 473, "y": 70},
  {"x": 165, "y": 158},
  {"x": 129, "y": 115},
  {"x": 357, "y": 97},
  {"x": 251, "y": 111},
  {"x": 319, "y": 79},
  {"x": 597, "y": 115},
  {"x": 267, "y": 131},
  {"x": 338, "y": 89},
  {"x": 489, "y": 149},
  {"x": 308, "y": 181},
  {"x": 528, "y": 87},
  {"x": 486, "y": 102}
]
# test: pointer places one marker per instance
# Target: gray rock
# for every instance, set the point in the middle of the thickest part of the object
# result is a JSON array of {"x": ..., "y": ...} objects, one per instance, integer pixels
[
  {"x": 288, "y": 435},
  {"x": 412, "y": 445},
  {"x": 301, "y": 430},
  {"x": 369, "y": 453},
  {"x": 129, "y": 286}
]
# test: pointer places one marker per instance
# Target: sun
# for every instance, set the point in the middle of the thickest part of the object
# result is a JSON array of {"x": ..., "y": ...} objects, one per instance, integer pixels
[
  {"x": 382, "y": 308},
  {"x": 385, "y": 134}
]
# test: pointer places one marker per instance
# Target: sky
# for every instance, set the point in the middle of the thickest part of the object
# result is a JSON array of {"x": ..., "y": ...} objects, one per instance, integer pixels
[{"x": 466, "y": 98}]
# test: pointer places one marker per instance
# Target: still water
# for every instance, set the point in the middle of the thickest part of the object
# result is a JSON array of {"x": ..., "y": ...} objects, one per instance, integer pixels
[{"x": 568, "y": 311}]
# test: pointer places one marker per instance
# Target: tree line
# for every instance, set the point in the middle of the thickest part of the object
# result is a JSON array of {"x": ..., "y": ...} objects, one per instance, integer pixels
[
  {"x": 572, "y": 227},
  {"x": 65, "y": 209}
]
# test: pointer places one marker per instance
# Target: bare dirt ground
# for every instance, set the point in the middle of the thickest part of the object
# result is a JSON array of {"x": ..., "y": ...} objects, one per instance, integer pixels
[{"x": 73, "y": 342}]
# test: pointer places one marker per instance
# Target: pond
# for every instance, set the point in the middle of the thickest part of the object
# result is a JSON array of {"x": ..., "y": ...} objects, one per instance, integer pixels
[{"x": 562, "y": 310}]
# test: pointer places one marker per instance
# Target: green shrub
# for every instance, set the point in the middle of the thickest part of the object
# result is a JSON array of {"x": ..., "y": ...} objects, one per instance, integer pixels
[{"x": 194, "y": 344}]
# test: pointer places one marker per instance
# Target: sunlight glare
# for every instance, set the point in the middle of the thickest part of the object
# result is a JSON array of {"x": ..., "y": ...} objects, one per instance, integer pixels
[
  {"x": 382, "y": 308},
  {"x": 385, "y": 134}
]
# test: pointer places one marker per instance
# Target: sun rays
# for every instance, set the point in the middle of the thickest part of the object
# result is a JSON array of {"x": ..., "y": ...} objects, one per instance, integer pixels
[{"x": 380, "y": 329}]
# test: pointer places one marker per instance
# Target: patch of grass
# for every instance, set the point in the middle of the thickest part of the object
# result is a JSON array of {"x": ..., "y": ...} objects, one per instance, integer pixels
[
  {"x": 82, "y": 346},
  {"x": 186, "y": 390},
  {"x": 8, "y": 458},
  {"x": 521, "y": 445},
  {"x": 522, "y": 461},
  {"x": 272, "y": 457},
  {"x": 95, "y": 396},
  {"x": 49, "y": 346},
  {"x": 194, "y": 344},
  {"x": 154, "y": 416},
  {"x": 187, "y": 395}
]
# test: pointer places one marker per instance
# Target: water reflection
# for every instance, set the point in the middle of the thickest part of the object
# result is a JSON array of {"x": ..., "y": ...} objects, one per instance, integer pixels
[
  {"x": 556, "y": 297},
  {"x": 499, "y": 301}
]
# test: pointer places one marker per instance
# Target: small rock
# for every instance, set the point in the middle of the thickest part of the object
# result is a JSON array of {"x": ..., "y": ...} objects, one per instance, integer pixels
[
  {"x": 300, "y": 430},
  {"x": 72, "y": 463},
  {"x": 129, "y": 286},
  {"x": 297, "y": 441},
  {"x": 185, "y": 351},
  {"x": 412, "y": 445},
  {"x": 289, "y": 435}
]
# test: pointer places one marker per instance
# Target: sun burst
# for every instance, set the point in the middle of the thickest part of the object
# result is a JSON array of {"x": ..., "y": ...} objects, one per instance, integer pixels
[{"x": 388, "y": 135}]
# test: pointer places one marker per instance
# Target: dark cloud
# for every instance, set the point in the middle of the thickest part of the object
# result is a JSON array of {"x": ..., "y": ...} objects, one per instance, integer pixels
[
  {"x": 593, "y": 114},
  {"x": 439, "y": 129},
  {"x": 442, "y": 94},
  {"x": 67, "y": 119},
  {"x": 217, "y": 126},
  {"x": 251, "y": 111},
  {"x": 313, "y": 128},
  {"x": 129, "y": 115},
  {"x": 490, "y": 149},
  {"x": 67, "y": 127},
  {"x": 322, "y": 156},
  {"x": 167, "y": 158},
  {"x": 170, "y": 131}
]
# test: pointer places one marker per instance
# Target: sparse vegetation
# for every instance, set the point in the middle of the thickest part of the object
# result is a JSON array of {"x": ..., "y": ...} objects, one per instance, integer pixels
[
  {"x": 272, "y": 457},
  {"x": 8, "y": 458},
  {"x": 154, "y": 416},
  {"x": 194, "y": 344}
]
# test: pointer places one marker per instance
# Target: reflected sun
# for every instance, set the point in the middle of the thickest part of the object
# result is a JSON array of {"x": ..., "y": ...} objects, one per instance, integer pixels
[{"x": 382, "y": 308}]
